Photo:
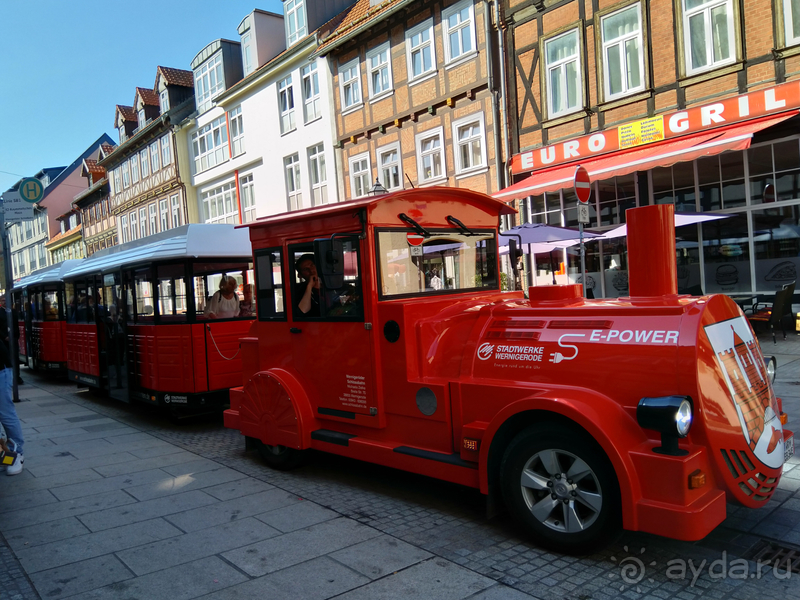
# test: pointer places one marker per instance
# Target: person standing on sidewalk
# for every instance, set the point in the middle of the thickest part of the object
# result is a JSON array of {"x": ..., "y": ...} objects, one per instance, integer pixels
[{"x": 8, "y": 414}]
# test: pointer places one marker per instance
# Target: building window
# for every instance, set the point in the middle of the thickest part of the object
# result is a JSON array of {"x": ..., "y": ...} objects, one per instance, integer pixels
[
  {"x": 379, "y": 70},
  {"x": 359, "y": 175},
  {"x": 155, "y": 162},
  {"x": 470, "y": 146},
  {"x": 291, "y": 166},
  {"x": 210, "y": 145},
  {"x": 134, "y": 168},
  {"x": 247, "y": 53},
  {"x": 165, "y": 151},
  {"x": 164, "y": 209},
  {"x": 142, "y": 118},
  {"x": 176, "y": 210},
  {"x": 459, "y": 30},
  {"x": 248, "y": 198},
  {"x": 317, "y": 174},
  {"x": 209, "y": 80},
  {"x": 350, "y": 84},
  {"x": 311, "y": 109},
  {"x": 163, "y": 101},
  {"x": 122, "y": 135},
  {"x": 708, "y": 34},
  {"x": 420, "y": 51},
  {"x": 126, "y": 175},
  {"x": 623, "y": 60},
  {"x": 389, "y": 165},
  {"x": 237, "y": 131},
  {"x": 286, "y": 104},
  {"x": 134, "y": 226},
  {"x": 117, "y": 187},
  {"x": 144, "y": 158},
  {"x": 295, "y": 18},
  {"x": 563, "y": 70},
  {"x": 153, "y": 218},
  {"x": 42, "y": 256},
  {"x": 143, "y": 222},
  {"x": 219, "y": 204},
  {"x": 430, "y": 156},
  {"x": 791, "y": 20}
]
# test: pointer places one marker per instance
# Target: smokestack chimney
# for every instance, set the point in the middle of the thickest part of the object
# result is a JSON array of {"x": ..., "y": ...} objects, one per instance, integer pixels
[{"x": 652, "y": 270}]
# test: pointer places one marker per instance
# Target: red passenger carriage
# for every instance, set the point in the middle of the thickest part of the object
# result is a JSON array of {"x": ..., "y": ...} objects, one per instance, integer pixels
[
  {"x": 136, "y": 323},
  {"x": 646, "y": 411}
]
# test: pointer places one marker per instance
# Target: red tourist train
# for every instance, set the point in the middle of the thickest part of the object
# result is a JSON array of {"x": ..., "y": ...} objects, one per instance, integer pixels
[
  {"x": 39, "y": 303},
  {"x": 646, "y": 411}
]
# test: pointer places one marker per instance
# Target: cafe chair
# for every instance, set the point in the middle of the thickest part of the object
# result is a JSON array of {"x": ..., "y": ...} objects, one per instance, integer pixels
[{"x": 776, "y": 314}]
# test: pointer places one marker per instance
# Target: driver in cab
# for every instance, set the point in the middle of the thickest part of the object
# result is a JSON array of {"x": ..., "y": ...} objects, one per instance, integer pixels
[{"x": 340, "y": 302}]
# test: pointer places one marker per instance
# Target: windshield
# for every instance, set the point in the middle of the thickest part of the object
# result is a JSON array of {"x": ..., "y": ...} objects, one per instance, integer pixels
[{"x": 443, "y": 262}]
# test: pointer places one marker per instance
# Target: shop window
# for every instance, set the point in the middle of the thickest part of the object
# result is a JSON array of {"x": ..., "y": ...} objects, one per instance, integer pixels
[
  {"x": 563, "y": 74},
  {"x": 776, "y": 247},
  {"x": 721, "y": 181},
  {"x": 546, "y": 209},
  {"x": 726, "y": 252},
  {"x": 623, "y": 57},
  {"x": 709, "y": 36},
  {"x": 614, "y": 197}
]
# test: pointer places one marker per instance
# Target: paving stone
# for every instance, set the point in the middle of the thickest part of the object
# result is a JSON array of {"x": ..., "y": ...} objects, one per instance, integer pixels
[
  {"x": 43, "y": 533},
  {"x": 434, "y": 579},
  {"x": 192, "y": 580},
  {"x": 136, "y": 464},
  {"x": 380, "y": 556},
  {"x": 192, "y": 546},
  {"x": 230, "y": 510},
  {"x": 64, "y": 461},
  {"x": 72, "y": 508},
  {"x": 298, "y": 546},
  {"x": 90, "y": 545},
  {"x": 128, "y": 481},
  {"x": 237, "y": 488},
  {"x": 78, "y": 578},
  {"x": 296, "y": 516},
  {"x": 315, "y": 579},
  {"x": 167, "y": 485}
]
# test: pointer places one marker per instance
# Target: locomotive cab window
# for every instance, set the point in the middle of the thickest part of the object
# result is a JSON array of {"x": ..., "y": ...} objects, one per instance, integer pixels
[
  {"x": 324, "y": 286},
  {"x": 443, "y": 263},
  {"x": 269, "y": 285}
]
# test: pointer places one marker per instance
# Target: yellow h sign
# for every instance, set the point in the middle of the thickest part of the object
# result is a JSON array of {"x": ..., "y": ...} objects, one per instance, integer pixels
[{"x": 31, "y": 190}]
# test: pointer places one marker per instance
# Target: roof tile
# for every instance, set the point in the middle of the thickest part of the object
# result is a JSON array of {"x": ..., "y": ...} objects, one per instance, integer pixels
[
  {"x": 359, "y": 14},
  {"x": 128, "y": 114},
  {"x": 149, "y": 96},
  {"x": 176, "y": 76}
]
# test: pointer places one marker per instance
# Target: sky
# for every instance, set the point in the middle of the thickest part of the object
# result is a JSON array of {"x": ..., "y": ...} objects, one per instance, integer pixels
[{"x": 66, "y": 64}]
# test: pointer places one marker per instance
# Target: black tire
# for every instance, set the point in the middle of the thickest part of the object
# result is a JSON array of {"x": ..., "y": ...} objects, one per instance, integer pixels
[
  {"x": 280, "y": 458},
  {"x": 560, "y": 485}
]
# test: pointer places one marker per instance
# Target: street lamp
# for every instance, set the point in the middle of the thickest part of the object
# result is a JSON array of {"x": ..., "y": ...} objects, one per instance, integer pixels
[{"x": 377, "y": 189}]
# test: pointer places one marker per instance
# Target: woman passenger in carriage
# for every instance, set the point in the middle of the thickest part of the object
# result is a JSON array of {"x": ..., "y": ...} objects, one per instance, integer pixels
[{"x": 224, "y": 304}]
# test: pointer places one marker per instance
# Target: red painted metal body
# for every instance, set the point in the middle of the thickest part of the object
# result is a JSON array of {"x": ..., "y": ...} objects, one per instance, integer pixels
[
  {"x": 83, "y": 354},
  {"x": 496, "y": 362},
  {"x": 48, "y": 344}
]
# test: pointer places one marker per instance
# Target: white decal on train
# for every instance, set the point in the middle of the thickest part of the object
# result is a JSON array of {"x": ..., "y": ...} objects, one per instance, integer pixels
[{"x": 635, "y": 336}]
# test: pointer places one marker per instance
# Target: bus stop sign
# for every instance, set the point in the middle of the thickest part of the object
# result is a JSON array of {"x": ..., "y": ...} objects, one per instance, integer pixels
[
  {"x": 583, "y": 187},
  {"x": 31, "y": 190}
]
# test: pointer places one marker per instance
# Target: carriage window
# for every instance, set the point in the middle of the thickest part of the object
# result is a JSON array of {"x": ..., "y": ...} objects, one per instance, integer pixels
[
  {"x": 310, "y": 298},
  {"x": 72, "y": 302},
  {"x": 171, "y": 293},
  {"x": 50, "y": 304},
  {"x": 269, "y": 285},
  {"x": 442, "y": 263},
  {"x": 143, "y": 290},
  {"x": 214, "y": 302}
]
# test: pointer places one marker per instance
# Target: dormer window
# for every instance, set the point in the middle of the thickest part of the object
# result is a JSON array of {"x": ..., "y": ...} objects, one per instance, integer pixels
[
  {"x": 247, "y": 53},
  {"x": 142, "y": 118},
  {"x": 122, "y": 132},
  {"x": 163, "y": 101},
  {"x": 295, "y": 19},
  {"x": 209, "y": 80},
  {"x": 63, "y": 227},
  {"x": 73, "y": 221}
]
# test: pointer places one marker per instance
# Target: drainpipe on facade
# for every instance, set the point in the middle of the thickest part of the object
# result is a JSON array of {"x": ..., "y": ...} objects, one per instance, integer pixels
[{"x": 498, "y": 159}]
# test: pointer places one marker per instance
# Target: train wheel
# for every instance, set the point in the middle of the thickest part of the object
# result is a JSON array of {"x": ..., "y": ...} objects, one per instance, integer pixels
[
  {"x": 562, "y": 488},
  {"x": 281, "y": 458}
]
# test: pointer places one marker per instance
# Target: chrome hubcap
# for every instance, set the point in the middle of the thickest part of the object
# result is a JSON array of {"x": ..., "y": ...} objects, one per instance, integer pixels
[{"x": 561, "y": 491}]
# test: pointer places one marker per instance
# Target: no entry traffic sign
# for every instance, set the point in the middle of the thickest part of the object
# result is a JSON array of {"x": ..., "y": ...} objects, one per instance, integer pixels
[
  {"x": 583, "y": 187},
  {"x": 414, "y": 239}
]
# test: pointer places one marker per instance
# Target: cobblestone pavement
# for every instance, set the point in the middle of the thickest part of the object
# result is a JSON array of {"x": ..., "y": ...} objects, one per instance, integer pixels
[{"x": 448, "y": 521}]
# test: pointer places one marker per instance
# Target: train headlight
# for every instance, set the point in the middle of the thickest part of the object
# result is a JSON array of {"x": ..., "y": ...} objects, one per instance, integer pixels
[
  {"x": 669, "y": 415},
  {"x": 772, "y": 368}
]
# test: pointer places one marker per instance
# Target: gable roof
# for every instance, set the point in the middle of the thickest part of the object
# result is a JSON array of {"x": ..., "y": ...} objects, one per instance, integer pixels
[
  {"x": 358, "y": 17},
  {"x": 127, "y": 112},
  {"x": 175, "y": 77},
  {"x": 103, "y": 139},
  {"x": 107, "y": 149},
  {"x": 149, "y": 97},
  {"x": 90, "y": 167}
]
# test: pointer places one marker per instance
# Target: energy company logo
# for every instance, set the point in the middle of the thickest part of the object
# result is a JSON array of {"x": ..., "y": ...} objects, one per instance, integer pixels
[{"x": 485, "y": 351}]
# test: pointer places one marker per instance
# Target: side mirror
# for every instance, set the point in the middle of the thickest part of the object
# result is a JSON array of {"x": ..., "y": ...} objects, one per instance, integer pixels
[{"x": 330, "y": 258}]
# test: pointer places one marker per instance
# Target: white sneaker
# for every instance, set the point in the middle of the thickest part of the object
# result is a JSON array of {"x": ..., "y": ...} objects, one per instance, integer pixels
[{"x": 15, "y": 468}]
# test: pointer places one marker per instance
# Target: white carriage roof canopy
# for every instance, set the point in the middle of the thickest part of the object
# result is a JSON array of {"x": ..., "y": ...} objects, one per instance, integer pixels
[
  {"x": 197, "y": 240},
  {"x": 49, "y": 274}
]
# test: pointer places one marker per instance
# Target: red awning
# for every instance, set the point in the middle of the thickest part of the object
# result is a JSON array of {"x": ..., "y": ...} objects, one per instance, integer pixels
[{"x": 662, "y": 154}]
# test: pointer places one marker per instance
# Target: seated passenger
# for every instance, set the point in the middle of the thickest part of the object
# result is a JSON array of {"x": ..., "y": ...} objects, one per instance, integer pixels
[
  {"x": 308, "y": 291},
  {"x": 246, "y": 308},
  {"x": 224, "y": 304}
]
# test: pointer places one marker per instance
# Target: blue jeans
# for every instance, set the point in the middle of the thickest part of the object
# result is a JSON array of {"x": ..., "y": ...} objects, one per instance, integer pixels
[{"x": 8, "y": 414}]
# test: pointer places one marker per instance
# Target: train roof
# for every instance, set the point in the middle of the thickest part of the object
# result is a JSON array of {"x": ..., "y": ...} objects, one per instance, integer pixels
[
  {"x": 49, "y": 274},
  {"x": 412, "y": 196},
  {"x": 196, "y": 240}
]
